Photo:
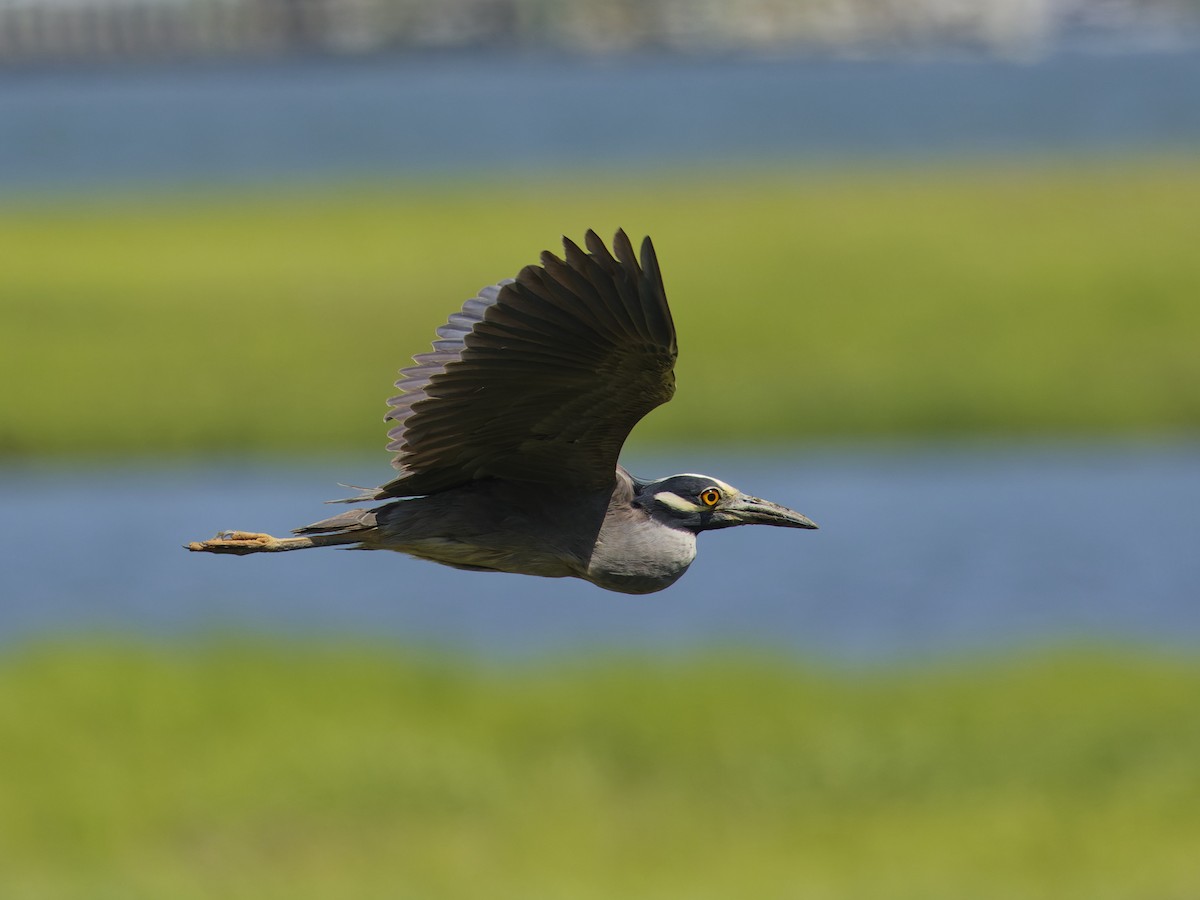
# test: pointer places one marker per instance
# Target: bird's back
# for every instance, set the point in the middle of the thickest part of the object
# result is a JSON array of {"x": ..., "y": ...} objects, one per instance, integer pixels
[{"x": 495, "y": 525}]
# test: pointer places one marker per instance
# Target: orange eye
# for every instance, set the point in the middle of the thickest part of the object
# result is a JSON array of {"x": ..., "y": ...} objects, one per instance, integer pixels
[{"x": 710, "y": 497}]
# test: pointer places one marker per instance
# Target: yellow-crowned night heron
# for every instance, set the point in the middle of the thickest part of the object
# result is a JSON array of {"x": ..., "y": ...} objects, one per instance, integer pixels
[{"x": 507, "y": 435}]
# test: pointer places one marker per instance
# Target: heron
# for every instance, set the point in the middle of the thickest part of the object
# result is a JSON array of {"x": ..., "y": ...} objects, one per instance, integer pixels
[{"x": 507, "y": 435}]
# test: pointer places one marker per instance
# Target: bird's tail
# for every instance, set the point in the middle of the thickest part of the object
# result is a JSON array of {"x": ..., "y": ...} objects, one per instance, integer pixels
[{"x": 350, "y": 523}]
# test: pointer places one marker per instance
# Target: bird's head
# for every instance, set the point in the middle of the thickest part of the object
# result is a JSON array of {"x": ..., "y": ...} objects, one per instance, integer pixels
[{"x": 702, "y": 503}]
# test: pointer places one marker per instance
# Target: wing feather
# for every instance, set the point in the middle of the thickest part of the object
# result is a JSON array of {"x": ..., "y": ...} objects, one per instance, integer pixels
[{"x": 538, "y": 378}]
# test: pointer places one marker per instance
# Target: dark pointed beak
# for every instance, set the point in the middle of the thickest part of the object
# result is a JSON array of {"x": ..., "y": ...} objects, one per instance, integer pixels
[{"x": 755, "y": 511}]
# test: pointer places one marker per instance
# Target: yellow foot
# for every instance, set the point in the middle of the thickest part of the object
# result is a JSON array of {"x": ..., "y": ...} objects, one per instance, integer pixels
[{"x": 238, "y": 542}]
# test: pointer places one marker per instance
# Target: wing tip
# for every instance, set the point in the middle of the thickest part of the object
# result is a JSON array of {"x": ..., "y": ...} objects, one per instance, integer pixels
[{"x": 623, "y": 248}]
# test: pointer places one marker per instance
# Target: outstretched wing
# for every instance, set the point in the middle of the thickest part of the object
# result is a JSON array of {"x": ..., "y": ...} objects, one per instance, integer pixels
[{"x": 538, "y": 379}]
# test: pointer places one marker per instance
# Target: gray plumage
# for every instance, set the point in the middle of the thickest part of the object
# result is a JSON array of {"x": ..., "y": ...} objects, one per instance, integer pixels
[{"x": 507, "y": 434}]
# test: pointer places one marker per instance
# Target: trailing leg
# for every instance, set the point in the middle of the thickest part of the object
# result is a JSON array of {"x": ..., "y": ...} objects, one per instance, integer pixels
[{"x": 240, "y": 543}]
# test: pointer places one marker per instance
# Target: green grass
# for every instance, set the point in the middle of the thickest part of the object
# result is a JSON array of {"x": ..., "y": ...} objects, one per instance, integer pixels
[
  {"x": 294, "y": 771},
  {"x": 970, "y": 301}
]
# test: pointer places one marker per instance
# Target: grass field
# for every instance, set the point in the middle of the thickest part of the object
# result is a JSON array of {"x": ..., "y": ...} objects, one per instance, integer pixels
[
  {"x": 809, "y": 304},
  {"x": 292, "y": 771}
]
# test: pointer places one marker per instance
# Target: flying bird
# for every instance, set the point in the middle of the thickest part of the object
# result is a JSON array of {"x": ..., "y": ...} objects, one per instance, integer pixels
[{"x": 507, "y": 435}]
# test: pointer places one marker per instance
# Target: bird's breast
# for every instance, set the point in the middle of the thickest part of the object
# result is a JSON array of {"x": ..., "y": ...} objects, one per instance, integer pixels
[{"x": 640, "y": 558}]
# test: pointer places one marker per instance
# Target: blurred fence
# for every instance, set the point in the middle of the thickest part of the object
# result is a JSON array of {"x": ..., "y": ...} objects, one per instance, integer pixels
[
  {"x": 37, "y": 30},
  {"x": 100, "y": 30}
]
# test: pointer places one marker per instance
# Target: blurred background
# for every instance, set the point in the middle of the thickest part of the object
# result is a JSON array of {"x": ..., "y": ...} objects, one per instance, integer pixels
[{"x": 934, "y": 271}]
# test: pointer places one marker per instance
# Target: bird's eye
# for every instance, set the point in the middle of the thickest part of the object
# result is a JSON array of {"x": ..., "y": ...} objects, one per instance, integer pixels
[{"x": 710, "y": 497}]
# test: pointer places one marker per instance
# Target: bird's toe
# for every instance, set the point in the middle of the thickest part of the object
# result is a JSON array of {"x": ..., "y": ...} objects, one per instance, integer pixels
[{"x": 236, "y": 542}]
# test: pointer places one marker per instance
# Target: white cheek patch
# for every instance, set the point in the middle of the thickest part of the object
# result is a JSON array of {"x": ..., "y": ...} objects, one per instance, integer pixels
[{"x": 674, "y": 501}]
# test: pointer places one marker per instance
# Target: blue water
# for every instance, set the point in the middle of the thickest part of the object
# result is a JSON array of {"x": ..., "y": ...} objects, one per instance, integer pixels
[
  {"x": 924, "y": 550},
  {"x": 413, "y": 117}
]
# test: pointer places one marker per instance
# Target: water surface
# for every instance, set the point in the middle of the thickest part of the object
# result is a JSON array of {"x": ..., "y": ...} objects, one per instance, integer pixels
[
  {"x": 922, "y": 550},
  {"x": 412, "y": 117}
]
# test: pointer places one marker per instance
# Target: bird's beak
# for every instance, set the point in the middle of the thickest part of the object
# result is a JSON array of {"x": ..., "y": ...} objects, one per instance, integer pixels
[{"x": 755, "y": 511}]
